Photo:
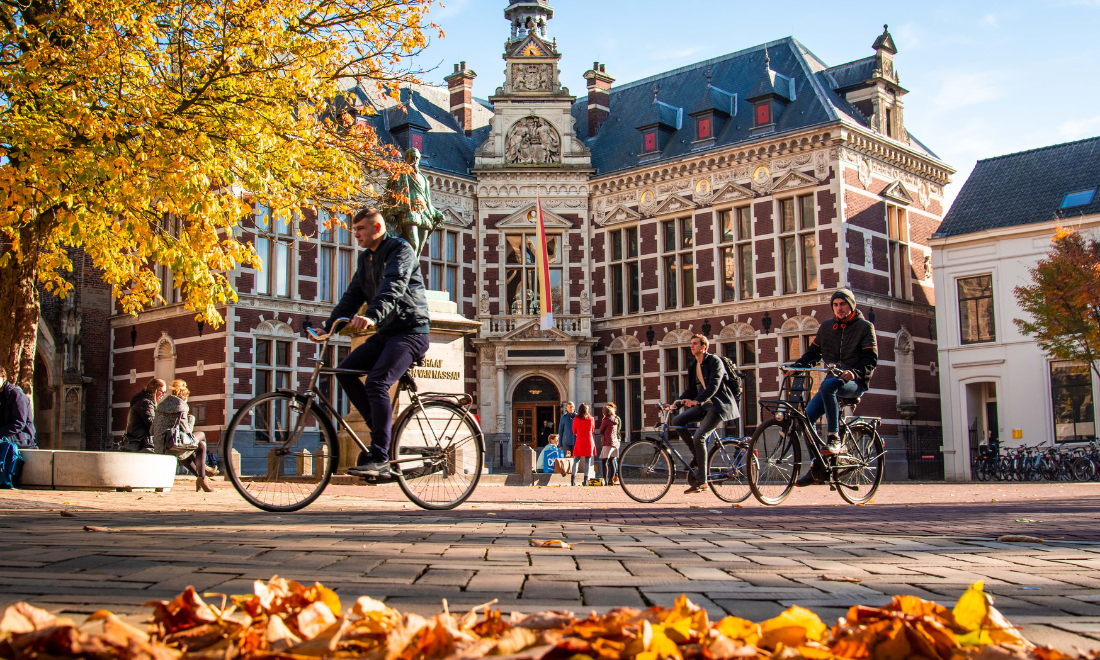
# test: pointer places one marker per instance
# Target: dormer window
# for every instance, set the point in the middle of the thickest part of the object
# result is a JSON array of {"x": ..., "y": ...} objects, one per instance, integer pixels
[
  {"x": 763, "y": 114},
  {"x": 417, "y": 141},
  {"x": 650, "y": 141},
  {"x": 702, "y": 129}
]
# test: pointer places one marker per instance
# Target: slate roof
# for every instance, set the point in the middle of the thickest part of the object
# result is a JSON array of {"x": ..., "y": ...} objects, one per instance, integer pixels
[
  {"x": 815, "y": 90},
  {"x": 1025, "y": 188}
]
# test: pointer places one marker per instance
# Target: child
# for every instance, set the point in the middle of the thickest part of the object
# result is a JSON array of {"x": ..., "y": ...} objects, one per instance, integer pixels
[{"x": 545, "y": 461}]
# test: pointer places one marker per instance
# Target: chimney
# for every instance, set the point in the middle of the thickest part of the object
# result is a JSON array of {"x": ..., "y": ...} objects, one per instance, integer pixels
[
  {"x": 461, "y": 86},
  {"x": 599, "y": 96}
]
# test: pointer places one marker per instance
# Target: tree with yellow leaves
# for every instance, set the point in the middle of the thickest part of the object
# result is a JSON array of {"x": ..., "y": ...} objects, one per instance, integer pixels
[{"x": 116, "y": 115}]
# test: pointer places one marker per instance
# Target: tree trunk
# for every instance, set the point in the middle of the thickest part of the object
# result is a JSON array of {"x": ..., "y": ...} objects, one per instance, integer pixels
[{"x": 19, "y": 299}]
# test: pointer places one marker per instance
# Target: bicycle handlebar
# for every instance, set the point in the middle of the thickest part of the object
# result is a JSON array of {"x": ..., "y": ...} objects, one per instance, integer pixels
[
  {"x": 336, "y": 325},
  {"x": 831, "y": 369}
]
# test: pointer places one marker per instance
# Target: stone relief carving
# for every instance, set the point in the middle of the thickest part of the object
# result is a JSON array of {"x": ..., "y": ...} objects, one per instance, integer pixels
[
  {"x": 586, "y": 305},
  {"x": 675, "y": 186},
  {"x": 531, "y": 141},
  {"x": 483, "y": 306},
  {"x": 867, "y": 260},
  {"x": 924, "y": 194},
  {"x": 582, "y": 352},
  {"x": 865, "y": 172},
  {"x": 703, "y": 191},
  {"x": 821, "y": 164},
  {"x": 492, "y": 203},
  {"x": 532, "y": 77}
]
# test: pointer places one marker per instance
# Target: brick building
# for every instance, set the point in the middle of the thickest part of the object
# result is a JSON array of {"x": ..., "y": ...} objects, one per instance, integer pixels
[{"x": 729, "y": 197}]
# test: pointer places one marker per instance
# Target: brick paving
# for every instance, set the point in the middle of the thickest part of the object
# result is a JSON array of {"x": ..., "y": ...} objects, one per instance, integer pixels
[{"x": 927, "y": 540}]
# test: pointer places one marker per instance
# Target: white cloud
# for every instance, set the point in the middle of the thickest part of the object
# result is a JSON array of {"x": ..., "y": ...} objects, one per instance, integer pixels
[
  {"x": 958, "y": 89},
  {"x": 1077, "y": 129}
]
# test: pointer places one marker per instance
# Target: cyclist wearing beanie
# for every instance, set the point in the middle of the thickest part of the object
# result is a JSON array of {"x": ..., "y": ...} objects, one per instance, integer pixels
[{"x": 848, "y": 341}]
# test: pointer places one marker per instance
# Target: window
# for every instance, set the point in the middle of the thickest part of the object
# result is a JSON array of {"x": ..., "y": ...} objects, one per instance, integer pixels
[
  {"x": 272, "y": 372},
  {"x": 976, "y": 310},
  {"x": 626, "y": 286},
  {"x": 897, "y": 231},
  {"x": 702, "y": 128},
  {"x": 521, "y": 279},
  {"x": 763, "y": 114},
  {"x": 649, "y": 141},
  {"x": 735, "y": 228},
  {"x": 443, "y": 260},
  {"x": 1079, "y": 198},
  {"x": 679, "y": 263},
  {"x": 793, "y": 348},
  {"x": 331, "y": 389},
  {"x": 274, "y": 242},
  {"x": 798, "y": 243},
  {"x": 626, "y": 388},
  {"x": 678, "y": 365},
  {"x": 1071, "y": 392},
  {"x": 743, "y": 353},
  {"x": 336, "y": 256},
  {"x": 889, "y": 122}
]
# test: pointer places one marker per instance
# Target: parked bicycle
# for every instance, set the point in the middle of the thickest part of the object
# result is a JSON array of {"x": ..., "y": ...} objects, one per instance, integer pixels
[
  {"x": 288, "y": 448},
  {"x": 1040, "y": 462},
  {"x": 775, "y": 450},
  {"x": 646, "y": 470}
]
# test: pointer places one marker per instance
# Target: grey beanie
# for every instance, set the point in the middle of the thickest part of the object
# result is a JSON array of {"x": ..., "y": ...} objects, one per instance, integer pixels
[{"x": 846, "y": 295}]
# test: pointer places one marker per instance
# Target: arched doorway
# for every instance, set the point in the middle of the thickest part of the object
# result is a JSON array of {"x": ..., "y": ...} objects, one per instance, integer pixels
[{"x": 535, "y": 404}]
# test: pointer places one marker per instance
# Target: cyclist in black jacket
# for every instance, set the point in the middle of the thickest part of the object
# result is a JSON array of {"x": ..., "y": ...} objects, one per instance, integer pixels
[
  {"x": 848, "y": 341},
  {"x": 388, "y": 279}
]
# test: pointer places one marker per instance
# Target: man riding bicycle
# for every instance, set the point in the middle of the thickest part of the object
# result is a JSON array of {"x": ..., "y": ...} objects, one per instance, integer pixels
[
  {"x": 388, "y": 279},
  {"x": 848, "y": 341},
  {"x": 709, "y": 401}
]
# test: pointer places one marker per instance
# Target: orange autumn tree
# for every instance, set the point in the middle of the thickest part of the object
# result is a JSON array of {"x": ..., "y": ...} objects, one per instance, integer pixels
[
  {"x": 118, "y": 114},
  {"x": 1063, "y": 299}
]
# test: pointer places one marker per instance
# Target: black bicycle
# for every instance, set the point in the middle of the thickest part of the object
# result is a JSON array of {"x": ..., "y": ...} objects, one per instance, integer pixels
[
  {"x": 281, "y": 448},
  {"x": 646, "y": 470},
  {"x": 776, "y": 454}
]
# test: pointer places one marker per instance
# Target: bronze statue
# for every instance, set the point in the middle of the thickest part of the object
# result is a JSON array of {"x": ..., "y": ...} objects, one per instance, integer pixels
[{"x": 407, "y": 205}]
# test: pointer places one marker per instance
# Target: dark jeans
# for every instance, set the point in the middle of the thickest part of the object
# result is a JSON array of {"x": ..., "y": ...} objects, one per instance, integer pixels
[
  {"x": 825, "y": 401},
  {"x": 387, "y": 358},
  {"x": 708, "y": 419}
]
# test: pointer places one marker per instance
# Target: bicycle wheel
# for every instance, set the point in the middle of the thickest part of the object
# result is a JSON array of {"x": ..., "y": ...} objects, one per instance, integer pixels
[
  {"x": 727, "y": 470},
  {"x": 775, "y": 460},
  {"x": 858, "y": 470},
  {"x": 645, "y": 471},
  {"x": 1082, "y": 468},
  {"x": 266, "y": 474},
  {"x": 439, "y": 452}
]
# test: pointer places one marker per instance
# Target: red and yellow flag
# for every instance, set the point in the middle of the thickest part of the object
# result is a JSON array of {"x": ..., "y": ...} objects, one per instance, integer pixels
[{"x": 546, "y": 312}]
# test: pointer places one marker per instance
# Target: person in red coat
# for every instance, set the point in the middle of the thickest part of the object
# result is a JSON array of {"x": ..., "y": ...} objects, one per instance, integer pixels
[{"x": 584, "y": 447}]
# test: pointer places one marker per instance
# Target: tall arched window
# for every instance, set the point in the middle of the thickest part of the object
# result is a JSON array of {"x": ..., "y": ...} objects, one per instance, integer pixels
[{"x": 165, "y": 368}]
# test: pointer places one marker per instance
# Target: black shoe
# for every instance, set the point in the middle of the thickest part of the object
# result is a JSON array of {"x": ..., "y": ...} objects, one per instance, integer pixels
[
  {"x": 697, "y": 488},
  {"x": 372, "y": 469},
  {"x": 807, "y": 480}
]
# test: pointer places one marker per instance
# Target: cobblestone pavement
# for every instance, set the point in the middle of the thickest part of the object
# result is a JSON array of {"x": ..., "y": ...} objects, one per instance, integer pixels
[{"x": 927, "y": 540}]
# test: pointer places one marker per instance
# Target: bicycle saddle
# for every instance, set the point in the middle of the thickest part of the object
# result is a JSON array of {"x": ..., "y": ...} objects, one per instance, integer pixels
[{"x": 846, "y": 401}]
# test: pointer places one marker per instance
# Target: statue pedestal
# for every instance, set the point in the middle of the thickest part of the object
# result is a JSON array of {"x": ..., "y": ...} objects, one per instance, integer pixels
[{"x": 444, "y": 370}]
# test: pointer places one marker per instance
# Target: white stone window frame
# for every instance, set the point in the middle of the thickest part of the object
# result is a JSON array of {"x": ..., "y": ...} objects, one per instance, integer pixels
[
  {"x": 625, "y": 346},
  {"x": 337, "y": 241},
  {"x": 275, "y": 233},
  {"x": 953, "y": 294},
  {"x": 678, "y": 252},
  {"x": 737, "y": 244},
  {"x": 274, "y": 331},
  {"x": 799, "y": 235},
  {"x": 444, "y": 264}
]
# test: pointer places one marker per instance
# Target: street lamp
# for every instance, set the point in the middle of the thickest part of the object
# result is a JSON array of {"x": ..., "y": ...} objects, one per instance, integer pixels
[
  {"x": 133, "y": 336},
  {"x": 649, "y": 335},
  {"x": 871, "y": 314},
  {"x": 706, "y": 328},
  {"x": 767, "y": 323},
  {"x": 201, "y": 325},
  {"x": 307, "y": 325}
]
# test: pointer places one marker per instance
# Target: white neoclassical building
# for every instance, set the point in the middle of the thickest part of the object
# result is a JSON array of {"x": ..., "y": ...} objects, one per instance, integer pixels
[{"x": 995, "y": 381}]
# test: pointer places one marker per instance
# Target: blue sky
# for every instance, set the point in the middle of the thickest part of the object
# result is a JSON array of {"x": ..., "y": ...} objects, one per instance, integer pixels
[{"x": 984, "y": 78}]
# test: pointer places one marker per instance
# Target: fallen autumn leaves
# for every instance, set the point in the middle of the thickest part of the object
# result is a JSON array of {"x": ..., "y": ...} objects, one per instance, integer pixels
[{"x": 285, "y": 620}]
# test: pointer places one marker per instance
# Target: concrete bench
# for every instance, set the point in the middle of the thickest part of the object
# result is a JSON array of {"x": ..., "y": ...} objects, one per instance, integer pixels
[{"x": 96, "y": 470}]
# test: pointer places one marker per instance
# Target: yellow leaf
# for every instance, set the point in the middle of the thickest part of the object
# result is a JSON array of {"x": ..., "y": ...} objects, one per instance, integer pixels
[
  {"x": 971, "y": 609},
  {"x": 794, "y": 627},
  {"x": 328, "y": 597},
  {"x": 737, "y": 628}
]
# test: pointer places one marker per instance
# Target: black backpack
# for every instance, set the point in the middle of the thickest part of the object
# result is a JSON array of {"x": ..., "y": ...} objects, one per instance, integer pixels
[{"x": 734, "y": 379}]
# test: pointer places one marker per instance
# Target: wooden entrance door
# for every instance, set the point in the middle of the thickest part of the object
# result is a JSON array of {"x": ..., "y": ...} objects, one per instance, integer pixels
[{"x": 523, "y": 428}]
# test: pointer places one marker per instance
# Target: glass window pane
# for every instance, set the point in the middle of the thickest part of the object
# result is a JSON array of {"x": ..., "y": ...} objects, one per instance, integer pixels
[
  {"x": 672, "y": 362},
  {"x": 903, "y": 226},
  {"x": 635, "y": 406},
  {"x": 553, "y": 249},
  {"x": 343, "y": 233},
  {"x": 632, "y": 242},
  {"x": 263, "y": 217},
  {"x": 617, "y": 289},
  {"x": 452, "y": 283},
  {"x": 529, "y": 249},
  {"x": 687, "y": 267},
  {"x": 263, "y": 381},
  {"x": 513, "y": 245},
  {"x": 281, "y": 271},
  {"x": 434, "y": 247},
  {"x": 263, "y": 277},
  {"x": 532, "y": 292},
  {"x": 324, "y": 274},
  {"x": 976, "y": 320},
  {"x": 672, "y": 387},
  {"x": 263, "y": 352},
  {"x": 745, "y": 262},
  {"x": 285, "y": 227},
  {"x": 323, "y": 233},
  {"x": 452, "y": 247},
  {"x": 635, "y": 364},
  {"x": 344, "y": 273},
  {"x": 786, "y": 215},
  {"x": 435, "y": 279},
  {"x": 748, "y": 401},
  {"x": 687, "y": 359},
  {"x": 670, "y": 236},
  {"x": 725, "y": 225},
  {"x": 556, "y": 291},
  {"x": 635, "y": 300},
  {"x": 616, "y": 245},
  {"x": 809, "y": 262},
  {"x": 892, "y": 221},
  {"x": 282, "y": 353},
  {"x": 282, "y": 380},
  {"x": 744, "y": 223},
  {"x": 619, "y": 387},
  {"x": 687, "y": 236},
  {"x": 748, "y": 353},
  {"x": 729, "y": 274},
  {"x": 514, "y": 291},
  {"x": 790, "y": 265},
  {"x": 806, "y": 214},
  {"x": 618, "y": 364},
  {"x": 670, "y": 283},
  {"x": 1071, "y": 394}
]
